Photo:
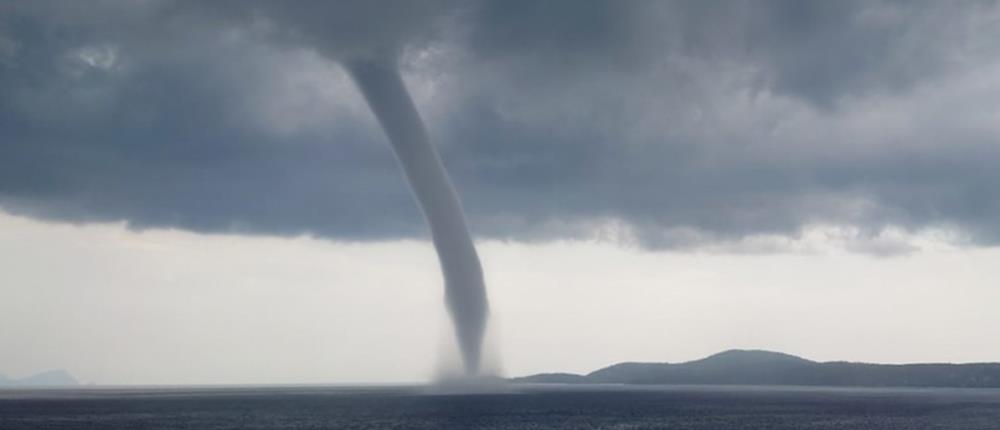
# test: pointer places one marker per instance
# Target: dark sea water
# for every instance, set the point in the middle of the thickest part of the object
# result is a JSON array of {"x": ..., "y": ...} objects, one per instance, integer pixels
[{"x": 516, "y": 407}]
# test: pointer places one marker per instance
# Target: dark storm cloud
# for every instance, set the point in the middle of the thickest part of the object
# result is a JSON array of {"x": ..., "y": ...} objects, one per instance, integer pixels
[
  {"x": 164, "y": 136},
  {"x": 684, "y": 122}
]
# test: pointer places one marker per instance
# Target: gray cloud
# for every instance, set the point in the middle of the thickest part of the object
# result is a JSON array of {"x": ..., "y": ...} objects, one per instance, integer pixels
[{"x": 682, "y": 123}]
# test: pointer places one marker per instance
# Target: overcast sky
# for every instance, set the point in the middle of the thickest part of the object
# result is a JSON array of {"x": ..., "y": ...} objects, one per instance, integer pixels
[{"x": 196, "y": 191}]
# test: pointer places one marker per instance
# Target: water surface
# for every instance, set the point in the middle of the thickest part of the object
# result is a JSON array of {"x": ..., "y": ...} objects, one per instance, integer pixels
[{"x": 518, "y": 407}]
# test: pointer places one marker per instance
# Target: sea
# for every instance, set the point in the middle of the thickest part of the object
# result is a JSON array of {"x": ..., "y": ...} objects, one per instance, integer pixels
[{"x": 509, "y": 407}]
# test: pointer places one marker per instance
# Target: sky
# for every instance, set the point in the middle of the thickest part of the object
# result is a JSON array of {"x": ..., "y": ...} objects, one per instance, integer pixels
[{"x": 196, "y": 192}]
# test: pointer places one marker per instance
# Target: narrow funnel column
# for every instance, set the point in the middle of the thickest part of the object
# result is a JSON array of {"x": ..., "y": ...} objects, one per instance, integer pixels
[{"x": 465, "y": 291}]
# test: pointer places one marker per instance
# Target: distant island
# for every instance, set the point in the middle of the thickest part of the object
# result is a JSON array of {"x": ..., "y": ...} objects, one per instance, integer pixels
[
  {"x": 755, "y": 367},
  {"x": 52, "y": 378}
]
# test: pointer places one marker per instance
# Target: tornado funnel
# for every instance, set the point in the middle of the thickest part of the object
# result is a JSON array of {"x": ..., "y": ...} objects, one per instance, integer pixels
[{"x": 465, "y": 290}]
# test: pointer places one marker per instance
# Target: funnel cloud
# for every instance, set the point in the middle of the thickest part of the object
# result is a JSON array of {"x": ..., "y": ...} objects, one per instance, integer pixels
[{"x": 465, "y": 290}]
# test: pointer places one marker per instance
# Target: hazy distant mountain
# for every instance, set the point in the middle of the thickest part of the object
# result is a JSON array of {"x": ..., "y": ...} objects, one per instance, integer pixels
[
  {"x": 774, "y": 368},
  {"x": 52, "y": 378},
  {"x": 555, "y": 378}
]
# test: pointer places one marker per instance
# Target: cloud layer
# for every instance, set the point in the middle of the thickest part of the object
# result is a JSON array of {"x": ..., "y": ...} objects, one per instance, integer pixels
[{"x": 680, "y": 124}]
